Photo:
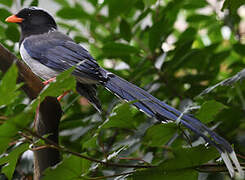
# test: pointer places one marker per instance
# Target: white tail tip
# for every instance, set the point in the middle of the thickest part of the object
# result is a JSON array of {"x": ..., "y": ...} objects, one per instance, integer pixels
[
  {"x": 237, "y": 164},
  {"x": 228, "y": 163}
]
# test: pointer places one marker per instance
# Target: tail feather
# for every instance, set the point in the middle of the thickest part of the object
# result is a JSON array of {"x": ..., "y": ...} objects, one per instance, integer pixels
[{"x": 153, "y": 107}]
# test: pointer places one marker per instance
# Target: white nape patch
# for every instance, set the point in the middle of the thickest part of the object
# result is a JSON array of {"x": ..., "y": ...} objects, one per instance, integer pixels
[
  {"x": 237, "y": 165},
  {"x": 37, "y": 68},
  {"x": 228, "y": 163},
  {"x": 37, "y": 8}
]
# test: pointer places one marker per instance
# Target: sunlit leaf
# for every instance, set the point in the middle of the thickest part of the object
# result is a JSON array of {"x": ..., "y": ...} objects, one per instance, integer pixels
[
  {"x": 149, "y": 2},
  {"x": 12, "y": 33},
  {"x": 125, "y": 30},
  {"x": 7, "y": 3},
  {"x": 121, "y": 117},
  {"x": 8, "y": 87},
  {"x": 232, "y": 5},
  {"x": 208, "y": 111},
  {"x": 10, "y": 128},
  {"x": 189, "y": 157},
  {"x": 240, "y": 49},
  {"x": 11, "y": 160},
  {"x": 160, "y": 134},
  {"x": 156, "y": 174},
  {"x": 71, "y": 168},
  {"x": 4, "y": 14},
  {"x": 34, "y": 3},
  {"x": 118, "y": 50},
  {"x": 72, "y": 13},
  {"x": 118, "y": 7}
]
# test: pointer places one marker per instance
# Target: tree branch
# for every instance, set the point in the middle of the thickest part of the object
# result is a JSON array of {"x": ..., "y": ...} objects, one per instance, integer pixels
[
  {"x": 49, "y": 111},
  {"x": 33, "y": 85}
]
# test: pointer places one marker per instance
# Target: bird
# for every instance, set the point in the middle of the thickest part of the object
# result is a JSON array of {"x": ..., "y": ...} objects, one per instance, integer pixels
[{"x": 48, "y": 52}]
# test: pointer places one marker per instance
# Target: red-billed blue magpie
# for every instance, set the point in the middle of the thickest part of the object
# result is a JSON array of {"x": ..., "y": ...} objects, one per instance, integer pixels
[{"x": 48, "y": 52}]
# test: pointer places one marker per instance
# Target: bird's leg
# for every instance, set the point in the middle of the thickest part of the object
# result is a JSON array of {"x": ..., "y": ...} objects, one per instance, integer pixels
[
  {"x": 49, "y": 81},
  {"x": 61, "y": 96}
]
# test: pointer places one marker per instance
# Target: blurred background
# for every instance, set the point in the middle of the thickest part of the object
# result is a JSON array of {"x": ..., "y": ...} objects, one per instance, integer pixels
[{"x": 171, "y": 48}]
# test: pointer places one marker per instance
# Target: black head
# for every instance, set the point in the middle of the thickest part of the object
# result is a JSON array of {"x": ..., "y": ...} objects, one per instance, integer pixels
[{"x": 32, "y": 21}]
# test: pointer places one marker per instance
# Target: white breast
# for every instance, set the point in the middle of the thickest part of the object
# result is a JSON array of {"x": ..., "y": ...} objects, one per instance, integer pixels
[{"x": 37, "y": 68}]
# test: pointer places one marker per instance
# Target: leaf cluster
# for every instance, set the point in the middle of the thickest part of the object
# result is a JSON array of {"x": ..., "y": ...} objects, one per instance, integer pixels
[{"x": 168, "y": 47}]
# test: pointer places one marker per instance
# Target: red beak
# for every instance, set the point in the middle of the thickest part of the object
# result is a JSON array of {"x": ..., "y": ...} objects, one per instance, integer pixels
[{"x": 14, "y": 19}]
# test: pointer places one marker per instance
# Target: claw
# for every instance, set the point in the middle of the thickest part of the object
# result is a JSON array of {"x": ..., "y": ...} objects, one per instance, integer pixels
[
  {"x": 61, "y": 96},
  {"x": 49, "y": 81}
]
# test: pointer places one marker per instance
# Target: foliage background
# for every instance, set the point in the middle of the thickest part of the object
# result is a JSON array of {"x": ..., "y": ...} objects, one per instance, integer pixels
[{"x": 174, "y": 49}]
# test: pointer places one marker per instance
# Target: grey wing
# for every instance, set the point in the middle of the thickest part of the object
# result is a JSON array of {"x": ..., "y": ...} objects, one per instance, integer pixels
[{"x": 58, "y": 52}]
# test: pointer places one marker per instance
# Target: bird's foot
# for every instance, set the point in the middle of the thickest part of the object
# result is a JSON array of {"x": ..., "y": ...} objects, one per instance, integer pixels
[
  {"x": 61, "y": 96},
  {"x": 52, "y": 80},
  {"x": 49, "y": 81}
]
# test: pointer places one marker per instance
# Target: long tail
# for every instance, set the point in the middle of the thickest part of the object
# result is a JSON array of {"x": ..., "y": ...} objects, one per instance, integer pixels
[{"x": 162, "y": 112}]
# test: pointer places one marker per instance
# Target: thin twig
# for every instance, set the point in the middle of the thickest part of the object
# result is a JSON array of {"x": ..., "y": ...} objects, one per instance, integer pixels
[
  {"x": 240, "y": 156},
  {"x": 111, "y": 176},
  {"x": 210, "y": 167},
  {"x": 3, "y": 117},
  {"x": 29, "y": 139},
  {"x": 55, "y": 145},
  {"x": 135, "y": 159}
]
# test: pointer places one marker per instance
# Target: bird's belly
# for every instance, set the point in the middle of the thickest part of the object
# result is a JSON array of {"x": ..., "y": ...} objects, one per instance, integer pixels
[{"x": 37, "y": 68}]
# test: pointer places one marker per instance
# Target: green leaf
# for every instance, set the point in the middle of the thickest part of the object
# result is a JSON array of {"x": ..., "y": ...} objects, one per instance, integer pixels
[
  {"x": 7, "y": 3},
  {"x": 156, "y": 35},
  {"x": 93, "y": 2},
  {"x": 112, "y": 49},
  {"x": 157, "y": 174},
  {"x": 193, "y": 4},
  {"x": 62, "y": 2},
  {"x": 186, "y": 36},
  {"x": 181, "y": 52},
  {"x": 91, "y": 143},
  {"x": 2, "y": 32},
  {"x": 220, "y": 57},
  {"x": 239, "y": 48},
  {"x": 160, "y": 134},
  {"x": 232, "y": 5},
  {"x": 79, "y": 39},
  {"x": 149, "y": 2},
  {"x": 209, "y": 110},
  {"x": 22, "y": 2},
  {"x": 164, "y": 24},
  {"x": 34, "y": 3},
  {"x": 125, "y": 30},
  {"x": 142, "y": 15},
  {"x": 118, "y": 7},
  {"x": 10, "y": 128},
  {"x": 197, "y": 18},
  {"x": 72, "y": 13},
  {"x": 189, "y": 158},
  {"x": 11, "y": 160},
  {"x": 4, "y": 14},
  {"x": 72, "y": 167},
  {"x": 12, "y": 33},
  {"x": 95, "y": 51},
  {"x": 121, "y": 117},
  {"x": 8, "y": 86}
]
